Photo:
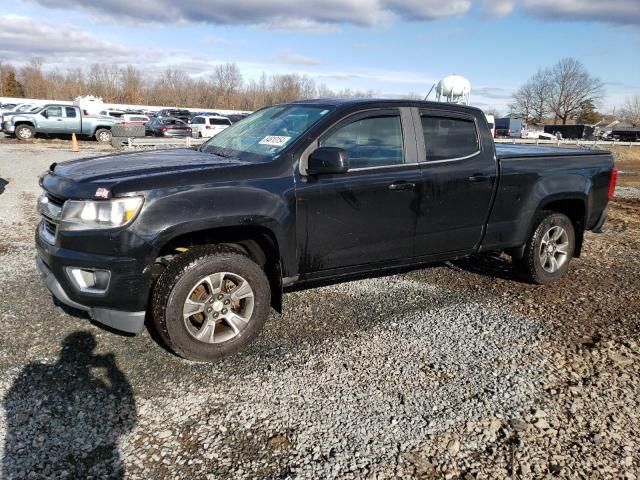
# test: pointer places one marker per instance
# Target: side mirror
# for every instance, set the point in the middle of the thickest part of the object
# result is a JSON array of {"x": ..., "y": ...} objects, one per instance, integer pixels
[
  {"x": 326, "y": 160},
  {"x": 45, "y": 114}
]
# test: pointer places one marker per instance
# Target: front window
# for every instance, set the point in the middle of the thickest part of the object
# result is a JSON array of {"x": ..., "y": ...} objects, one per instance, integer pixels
[
  {"x": 54, "y": 111},
  {"x": 370, "y": 142},
  {"x": 265, "y": 133}
]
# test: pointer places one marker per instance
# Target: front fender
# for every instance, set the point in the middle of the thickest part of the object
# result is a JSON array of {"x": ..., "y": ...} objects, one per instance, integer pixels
[{"x": 176, "y": 212}]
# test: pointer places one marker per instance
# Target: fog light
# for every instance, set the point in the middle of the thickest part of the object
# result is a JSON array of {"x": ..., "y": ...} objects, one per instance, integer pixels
[{"x": 89, "y": 280}]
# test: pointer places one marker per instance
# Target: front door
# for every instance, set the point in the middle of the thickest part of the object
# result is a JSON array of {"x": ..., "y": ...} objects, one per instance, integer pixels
[
  {"x": 368, "y": 214},
  {"x": 52, "y": 120}
]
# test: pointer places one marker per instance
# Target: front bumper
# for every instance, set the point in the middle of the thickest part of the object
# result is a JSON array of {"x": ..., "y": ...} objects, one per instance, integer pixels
[
  {"x": 8, "y": 127},
  {"x": 131, "y": 322}
]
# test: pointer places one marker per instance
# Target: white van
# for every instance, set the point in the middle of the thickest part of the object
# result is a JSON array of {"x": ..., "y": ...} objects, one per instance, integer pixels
[{"x": 206, "y": 126}]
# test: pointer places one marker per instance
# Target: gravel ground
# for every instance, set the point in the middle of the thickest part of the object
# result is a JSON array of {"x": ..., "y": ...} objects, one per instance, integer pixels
[{"x": 473, "y": 374}]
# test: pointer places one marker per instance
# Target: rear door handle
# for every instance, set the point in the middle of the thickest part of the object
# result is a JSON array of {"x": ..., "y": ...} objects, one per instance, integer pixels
[
  {"x": 402, "y": 186},
  {"x": 479, "y": 178}
]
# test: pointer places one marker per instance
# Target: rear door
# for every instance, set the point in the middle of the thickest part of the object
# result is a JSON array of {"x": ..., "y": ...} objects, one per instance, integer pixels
[
  {"x": 367, "y": 214},
  {"x": 71, "y": 122},
  {"x": 459, "y": 174}
]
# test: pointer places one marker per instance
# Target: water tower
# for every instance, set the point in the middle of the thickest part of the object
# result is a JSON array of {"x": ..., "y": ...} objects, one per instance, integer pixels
[{"x": 453, "y": 89}]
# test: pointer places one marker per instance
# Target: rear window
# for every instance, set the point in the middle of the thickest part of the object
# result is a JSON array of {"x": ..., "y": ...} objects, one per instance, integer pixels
[
  {"x": 503, "y": 123},
  {"x": 71, "y": 112},
  {"x": 198, "y": 121},
  {"x": 448, "y": 138},
  {"x": 219, "y": 121}
]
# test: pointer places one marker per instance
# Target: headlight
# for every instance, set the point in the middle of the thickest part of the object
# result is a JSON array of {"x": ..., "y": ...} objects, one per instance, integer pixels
[{"x": 90, "y": 215}]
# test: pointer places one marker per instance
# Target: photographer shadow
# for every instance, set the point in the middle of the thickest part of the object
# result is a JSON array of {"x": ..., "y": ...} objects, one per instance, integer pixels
[{"x": 65, "y": 419}]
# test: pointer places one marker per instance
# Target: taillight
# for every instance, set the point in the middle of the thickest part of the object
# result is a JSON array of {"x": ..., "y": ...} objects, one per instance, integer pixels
[
  {"x": 208, "y": 127},
  {"x": 612, "y": 182},
  {"x": 164, "y": 129}
]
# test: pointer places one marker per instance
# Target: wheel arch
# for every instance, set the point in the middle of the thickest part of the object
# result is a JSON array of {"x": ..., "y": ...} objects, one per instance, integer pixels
[
  {"x": 574, "y": 207},
  {"x": 257, "y": 242}
]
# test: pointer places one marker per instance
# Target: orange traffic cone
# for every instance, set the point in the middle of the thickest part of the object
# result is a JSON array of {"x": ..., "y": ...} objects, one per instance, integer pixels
[{"x": 74, "y": 143}]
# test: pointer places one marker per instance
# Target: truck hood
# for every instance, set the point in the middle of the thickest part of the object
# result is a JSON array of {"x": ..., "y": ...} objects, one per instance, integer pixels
[
  {"x": 126, "y": 165},
  {"x": 81, "y": 178}
]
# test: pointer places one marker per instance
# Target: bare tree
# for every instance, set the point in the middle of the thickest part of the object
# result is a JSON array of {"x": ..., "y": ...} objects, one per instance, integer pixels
[
  {"x": 227, "y": 81},
  {"x": 531, "y": 101},
  {"x": 522, "y": 104},
  {"x": 33, "y": 81},
  {"x": 630, "y": 112},
  {"x": 571, "y": 85}
]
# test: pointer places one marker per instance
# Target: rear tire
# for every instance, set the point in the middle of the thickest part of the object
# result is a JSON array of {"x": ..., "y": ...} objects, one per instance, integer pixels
[
  {"x": 210, "y": 302},
  {"x": 103, "y": 135},
  {"x": 549, "y": 249}
]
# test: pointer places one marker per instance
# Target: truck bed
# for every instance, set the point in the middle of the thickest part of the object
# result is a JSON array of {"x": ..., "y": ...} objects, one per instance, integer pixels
[{"x": 504, "y": 151}]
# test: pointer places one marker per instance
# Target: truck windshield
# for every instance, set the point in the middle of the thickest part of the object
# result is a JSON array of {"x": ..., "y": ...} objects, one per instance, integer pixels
[{"x": 266, "y": 132}]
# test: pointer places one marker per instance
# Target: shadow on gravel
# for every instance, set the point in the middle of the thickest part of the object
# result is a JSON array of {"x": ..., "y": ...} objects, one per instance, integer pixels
[
  {"x": 3, "y": 183},
  {"x": 488, "y": 265},
  {"x": 64, "y": 419}
]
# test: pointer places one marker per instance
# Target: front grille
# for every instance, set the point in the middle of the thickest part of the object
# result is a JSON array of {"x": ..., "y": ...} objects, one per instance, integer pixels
[
  {"x": 51, "y": 228},
  {"x": 55, "y": 200},
  {"x": 50, "y": 207}
]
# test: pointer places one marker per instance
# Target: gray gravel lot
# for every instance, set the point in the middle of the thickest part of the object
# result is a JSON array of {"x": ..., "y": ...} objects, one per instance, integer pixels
[{"x": 440, "y": 373}]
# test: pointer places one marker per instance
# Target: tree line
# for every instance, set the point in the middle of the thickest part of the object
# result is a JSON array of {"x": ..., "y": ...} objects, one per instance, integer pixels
[
  {"x": 224, "y": 88},
  {"x": 566, "y": 91}
]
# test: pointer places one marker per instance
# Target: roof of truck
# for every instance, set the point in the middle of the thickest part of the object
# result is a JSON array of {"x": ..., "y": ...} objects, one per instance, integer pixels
[{"x": 381, "y": 102}]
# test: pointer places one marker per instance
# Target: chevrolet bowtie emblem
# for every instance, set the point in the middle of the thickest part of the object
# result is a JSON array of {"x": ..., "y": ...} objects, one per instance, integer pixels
[{"x": 102, "y": 193}]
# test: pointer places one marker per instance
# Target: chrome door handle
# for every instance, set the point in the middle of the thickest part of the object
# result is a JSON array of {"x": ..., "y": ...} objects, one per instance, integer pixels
[
  {"x": 402, "y": 186},
  {"x": 479, "y": 178}
]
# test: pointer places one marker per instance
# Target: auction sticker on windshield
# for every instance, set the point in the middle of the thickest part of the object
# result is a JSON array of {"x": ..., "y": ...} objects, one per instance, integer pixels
[{"x": 274, "y": 141}]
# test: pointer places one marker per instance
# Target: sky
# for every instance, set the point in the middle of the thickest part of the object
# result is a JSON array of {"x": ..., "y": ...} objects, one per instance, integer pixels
[{"x": 393, "y": 47}]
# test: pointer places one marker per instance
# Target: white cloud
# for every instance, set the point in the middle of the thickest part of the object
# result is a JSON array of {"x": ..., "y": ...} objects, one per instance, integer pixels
[
  {"x": 292, "y": 58},
  {"x": 282, "y": 14},
  {"x": 497, "y": 8},
  {"x": 624, "y": 12},
  {"x": 20, "y": 36}
]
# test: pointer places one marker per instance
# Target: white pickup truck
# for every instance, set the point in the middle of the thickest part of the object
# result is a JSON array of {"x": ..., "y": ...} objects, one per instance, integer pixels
[{"x": 55, "y": 119}]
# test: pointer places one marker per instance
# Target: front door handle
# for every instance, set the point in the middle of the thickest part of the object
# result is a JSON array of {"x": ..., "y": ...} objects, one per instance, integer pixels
[
  {"x": 402, "y": 186},
  {"x": 479, "y": 178}
]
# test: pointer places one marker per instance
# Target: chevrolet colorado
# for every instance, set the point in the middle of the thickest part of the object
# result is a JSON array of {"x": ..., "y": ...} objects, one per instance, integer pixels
[{"x": 203, "y": 242}]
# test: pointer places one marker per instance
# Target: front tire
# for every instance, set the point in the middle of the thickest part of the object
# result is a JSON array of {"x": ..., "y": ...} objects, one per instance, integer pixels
[
  {"x": 210, "y": 302},
  {"x": 549, "y": 249},
  {"x": 24, "y": 132}
]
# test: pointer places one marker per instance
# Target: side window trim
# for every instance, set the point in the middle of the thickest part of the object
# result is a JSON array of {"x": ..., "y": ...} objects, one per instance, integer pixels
[
  {"x": 422, "y": 147},
  {"x": 409, "y": 137}
]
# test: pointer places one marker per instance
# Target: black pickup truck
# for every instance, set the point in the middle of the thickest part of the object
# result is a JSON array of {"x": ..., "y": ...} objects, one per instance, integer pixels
[{"x": 204, "y": 241}]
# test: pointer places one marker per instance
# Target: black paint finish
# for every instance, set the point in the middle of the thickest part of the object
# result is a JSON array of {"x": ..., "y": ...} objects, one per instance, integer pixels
[{"x": 323, "y": 226}]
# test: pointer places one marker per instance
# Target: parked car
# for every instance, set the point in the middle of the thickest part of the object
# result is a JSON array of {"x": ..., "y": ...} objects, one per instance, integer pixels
[
  {"x": 537, "y": 135},
  {"x": 112, "y": 113},
  {"x": 184, "y": 115},
  {"x": 510, "y": 127},
  {"x": 203, "y": 242},
  {"x": 21, "y": 108},
  {"x": 236, "y": 117},
  {"x": 55, "y": 119},
  {"x": 167, "y": 127},
  {"x": 206, "y": 126},
  {"x": 134, "y": 119}
]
